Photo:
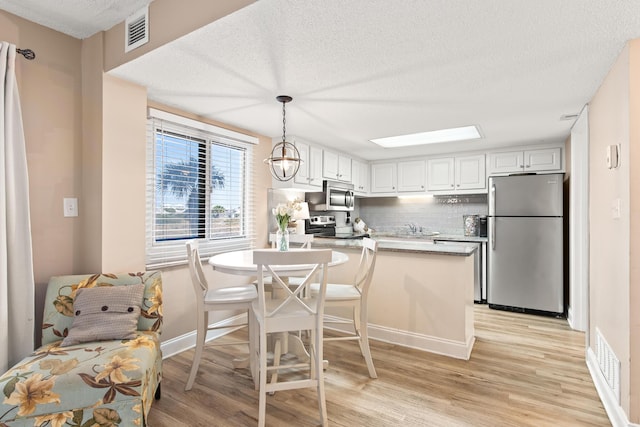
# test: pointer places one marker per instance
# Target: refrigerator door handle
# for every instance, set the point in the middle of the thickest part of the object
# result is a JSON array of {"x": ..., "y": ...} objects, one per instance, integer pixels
[
  {"x": 492, "y": 208},
  {"x": 493, "y": 234}
]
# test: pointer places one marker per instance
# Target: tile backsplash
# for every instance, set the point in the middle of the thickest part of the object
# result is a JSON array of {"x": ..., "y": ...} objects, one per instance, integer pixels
[{"x": 439, "y": 213}]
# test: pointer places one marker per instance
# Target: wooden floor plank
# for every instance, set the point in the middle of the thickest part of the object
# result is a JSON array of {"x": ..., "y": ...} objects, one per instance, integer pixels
[{"x": 524, "y": 371}]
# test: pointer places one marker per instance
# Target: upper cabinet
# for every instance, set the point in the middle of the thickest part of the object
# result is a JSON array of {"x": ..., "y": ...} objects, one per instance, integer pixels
[
  {"x": 310, "y": 171},
  {"x": 360, "y": 176},
  {"x": 535, "y": 160},
  {"x": 412, "y": 176},
  {"x": 336, "y": 167},
  {"x": 398, "y": 177},
  {"x": 384, "y": 177},
  {"x": 457, "y": 175}
]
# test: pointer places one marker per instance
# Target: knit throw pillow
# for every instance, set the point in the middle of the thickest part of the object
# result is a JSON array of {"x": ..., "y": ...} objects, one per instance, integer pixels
[{"x": 105, "y": 313}]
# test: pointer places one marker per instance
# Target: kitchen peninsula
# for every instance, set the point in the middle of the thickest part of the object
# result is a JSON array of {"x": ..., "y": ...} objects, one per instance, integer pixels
[{"x": 421, "y": 294}]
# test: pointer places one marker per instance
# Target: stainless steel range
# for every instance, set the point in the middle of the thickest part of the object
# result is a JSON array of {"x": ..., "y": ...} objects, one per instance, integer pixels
[{"x": 324, "y": 226}]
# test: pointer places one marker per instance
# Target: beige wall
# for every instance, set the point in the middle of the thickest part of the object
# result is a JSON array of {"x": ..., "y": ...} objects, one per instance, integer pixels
[
  {"x": 85, "y": 134},
  {"x": 50, "y": 92},
  {"x": 634, "y": 232},
  {"x": 614, "y": 276}
]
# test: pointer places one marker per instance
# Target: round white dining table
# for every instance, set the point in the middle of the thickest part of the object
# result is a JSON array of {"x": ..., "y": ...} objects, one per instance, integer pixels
[{"x": 241, "y": 263}]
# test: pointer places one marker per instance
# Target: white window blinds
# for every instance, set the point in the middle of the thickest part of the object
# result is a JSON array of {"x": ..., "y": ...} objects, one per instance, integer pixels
[{"x": 199, "y": 186}]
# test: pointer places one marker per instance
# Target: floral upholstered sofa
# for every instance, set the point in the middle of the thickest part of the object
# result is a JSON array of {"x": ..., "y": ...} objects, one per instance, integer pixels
[{"x": 82, "y": 375}]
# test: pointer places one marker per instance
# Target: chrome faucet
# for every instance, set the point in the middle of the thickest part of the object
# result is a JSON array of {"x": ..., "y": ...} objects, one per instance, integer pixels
[{"x": 412, "y": 227}]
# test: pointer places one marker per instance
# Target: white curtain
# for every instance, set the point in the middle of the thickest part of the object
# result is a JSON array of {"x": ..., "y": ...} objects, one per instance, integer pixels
[{"x": 16, "y": 265}]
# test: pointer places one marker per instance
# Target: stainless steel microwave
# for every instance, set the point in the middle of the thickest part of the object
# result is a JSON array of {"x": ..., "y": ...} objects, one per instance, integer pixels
[{"x": 335, "y": 196}]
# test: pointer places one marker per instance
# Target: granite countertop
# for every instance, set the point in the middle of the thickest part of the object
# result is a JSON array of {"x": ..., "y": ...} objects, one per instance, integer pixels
[{"x": 396, "y": 244}]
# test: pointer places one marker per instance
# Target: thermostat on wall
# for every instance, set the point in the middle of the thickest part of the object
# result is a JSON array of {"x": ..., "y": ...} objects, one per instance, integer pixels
[{"x": 612, "y": 156}]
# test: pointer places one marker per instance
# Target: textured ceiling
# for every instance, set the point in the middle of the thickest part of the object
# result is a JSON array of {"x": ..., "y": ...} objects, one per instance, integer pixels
[
  {"x": 77, "y": 18},
  {"x": 364, "y": 69}
]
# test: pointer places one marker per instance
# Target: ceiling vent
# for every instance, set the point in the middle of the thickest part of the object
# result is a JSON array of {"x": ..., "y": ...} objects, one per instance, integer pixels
[{"x": 136, "y": 29}]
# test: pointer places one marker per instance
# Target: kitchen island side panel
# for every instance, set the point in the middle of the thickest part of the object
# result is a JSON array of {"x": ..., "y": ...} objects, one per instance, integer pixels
[{"x": 420, "y": 300}]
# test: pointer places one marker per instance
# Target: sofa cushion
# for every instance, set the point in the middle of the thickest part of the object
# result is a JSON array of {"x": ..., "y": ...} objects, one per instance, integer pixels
[{"x": 105, "y": 313}]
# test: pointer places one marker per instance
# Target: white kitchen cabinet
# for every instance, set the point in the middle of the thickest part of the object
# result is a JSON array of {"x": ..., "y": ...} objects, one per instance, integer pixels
[
  {"x": 310, "y": 171},
  {"x": 412, "y": 176},
  {"x": 440, "y": 174},
  {"x": 471, "y": 173},
  {"x": 336, "y": 166},
  {"x": 384, "y": 177},
  {"x": 360, "y": 176},
  {"x": 542, "y": 160},
  {"x": 461, "y": 174},
  {"x": 535, "y": 160},
  {"x": 400, "y": 177}
]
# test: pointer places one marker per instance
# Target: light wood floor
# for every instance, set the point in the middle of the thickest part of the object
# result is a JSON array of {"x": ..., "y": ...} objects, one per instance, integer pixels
[{"x": 524, "y": 371}]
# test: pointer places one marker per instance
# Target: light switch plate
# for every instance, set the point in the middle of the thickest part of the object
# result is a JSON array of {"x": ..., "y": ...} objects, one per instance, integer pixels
[{"x": 70, "y": 205}]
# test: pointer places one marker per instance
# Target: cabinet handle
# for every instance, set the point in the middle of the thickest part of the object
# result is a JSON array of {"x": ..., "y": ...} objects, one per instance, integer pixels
[
  {"x": 452, "y": 185},
  {"x": 528, "y": 166}
]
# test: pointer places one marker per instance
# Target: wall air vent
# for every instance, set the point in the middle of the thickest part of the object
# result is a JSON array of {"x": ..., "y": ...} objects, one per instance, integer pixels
[
  {"x": 136, "y": 29},
  {"x": 609, "y": 364}
]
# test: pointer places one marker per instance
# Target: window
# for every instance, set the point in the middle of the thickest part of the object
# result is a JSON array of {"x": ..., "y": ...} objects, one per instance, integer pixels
[{"x": 198, "y": 187}]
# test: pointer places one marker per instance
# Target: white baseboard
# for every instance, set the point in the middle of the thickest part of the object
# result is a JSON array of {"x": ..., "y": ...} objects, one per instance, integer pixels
[
  {"x": 456, "y": 349},
  {"x": 187, "y": 341},
  {"x": 615, "y": 412}
]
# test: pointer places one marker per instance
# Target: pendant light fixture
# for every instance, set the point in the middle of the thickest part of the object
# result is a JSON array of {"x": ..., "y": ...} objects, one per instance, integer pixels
[{"x": 284, "y": 160}]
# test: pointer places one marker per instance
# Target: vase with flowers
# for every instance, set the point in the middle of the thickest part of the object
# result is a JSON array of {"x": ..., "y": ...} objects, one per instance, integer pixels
[{"x": 283, "y": 213}]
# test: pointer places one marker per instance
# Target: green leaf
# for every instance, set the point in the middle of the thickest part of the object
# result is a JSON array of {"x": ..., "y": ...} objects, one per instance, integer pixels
[{"x": 10, "y": 386}]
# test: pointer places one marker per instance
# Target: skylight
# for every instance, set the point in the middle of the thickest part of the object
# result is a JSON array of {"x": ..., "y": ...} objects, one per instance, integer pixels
[{"x": 432, "y": 137}]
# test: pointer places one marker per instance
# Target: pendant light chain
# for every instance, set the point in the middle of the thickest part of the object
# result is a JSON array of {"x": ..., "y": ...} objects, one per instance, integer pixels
[{"x": 284, "y": 122}]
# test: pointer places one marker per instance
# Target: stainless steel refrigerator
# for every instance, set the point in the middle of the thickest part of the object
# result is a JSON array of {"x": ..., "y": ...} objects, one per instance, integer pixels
[{"x": 525, "y": 254}]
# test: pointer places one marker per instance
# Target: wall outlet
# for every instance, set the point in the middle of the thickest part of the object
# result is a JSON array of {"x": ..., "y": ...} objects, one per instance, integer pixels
[{"x": 70, "y": 205}]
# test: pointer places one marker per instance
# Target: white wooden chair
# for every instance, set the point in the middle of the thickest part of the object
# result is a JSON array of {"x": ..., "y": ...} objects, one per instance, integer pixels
[
  {"x": 355, "y": 296},
  {"x": 228, "y": 298},
  {"x": 289, "y": 309}
]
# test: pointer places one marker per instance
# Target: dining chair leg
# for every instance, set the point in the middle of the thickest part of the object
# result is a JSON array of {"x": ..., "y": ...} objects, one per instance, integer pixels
[
  {"x": 254, "y": 350},
  {"x": 201, "y": 334},
  {"x": 262, "y": 404},
  {"x": 363, "y": 333},
  {"x": 316, "y": 360},
  {"x": 277, "y": 354}
]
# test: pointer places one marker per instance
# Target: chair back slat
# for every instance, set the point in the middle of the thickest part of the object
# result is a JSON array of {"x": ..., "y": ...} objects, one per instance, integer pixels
[
  {"x": 198, "y": 279},
  {"x": 367, "y": 264}
]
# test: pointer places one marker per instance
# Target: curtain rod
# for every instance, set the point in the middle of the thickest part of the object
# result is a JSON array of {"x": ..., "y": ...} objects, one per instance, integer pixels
[{"x": 27, "y": 53}]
